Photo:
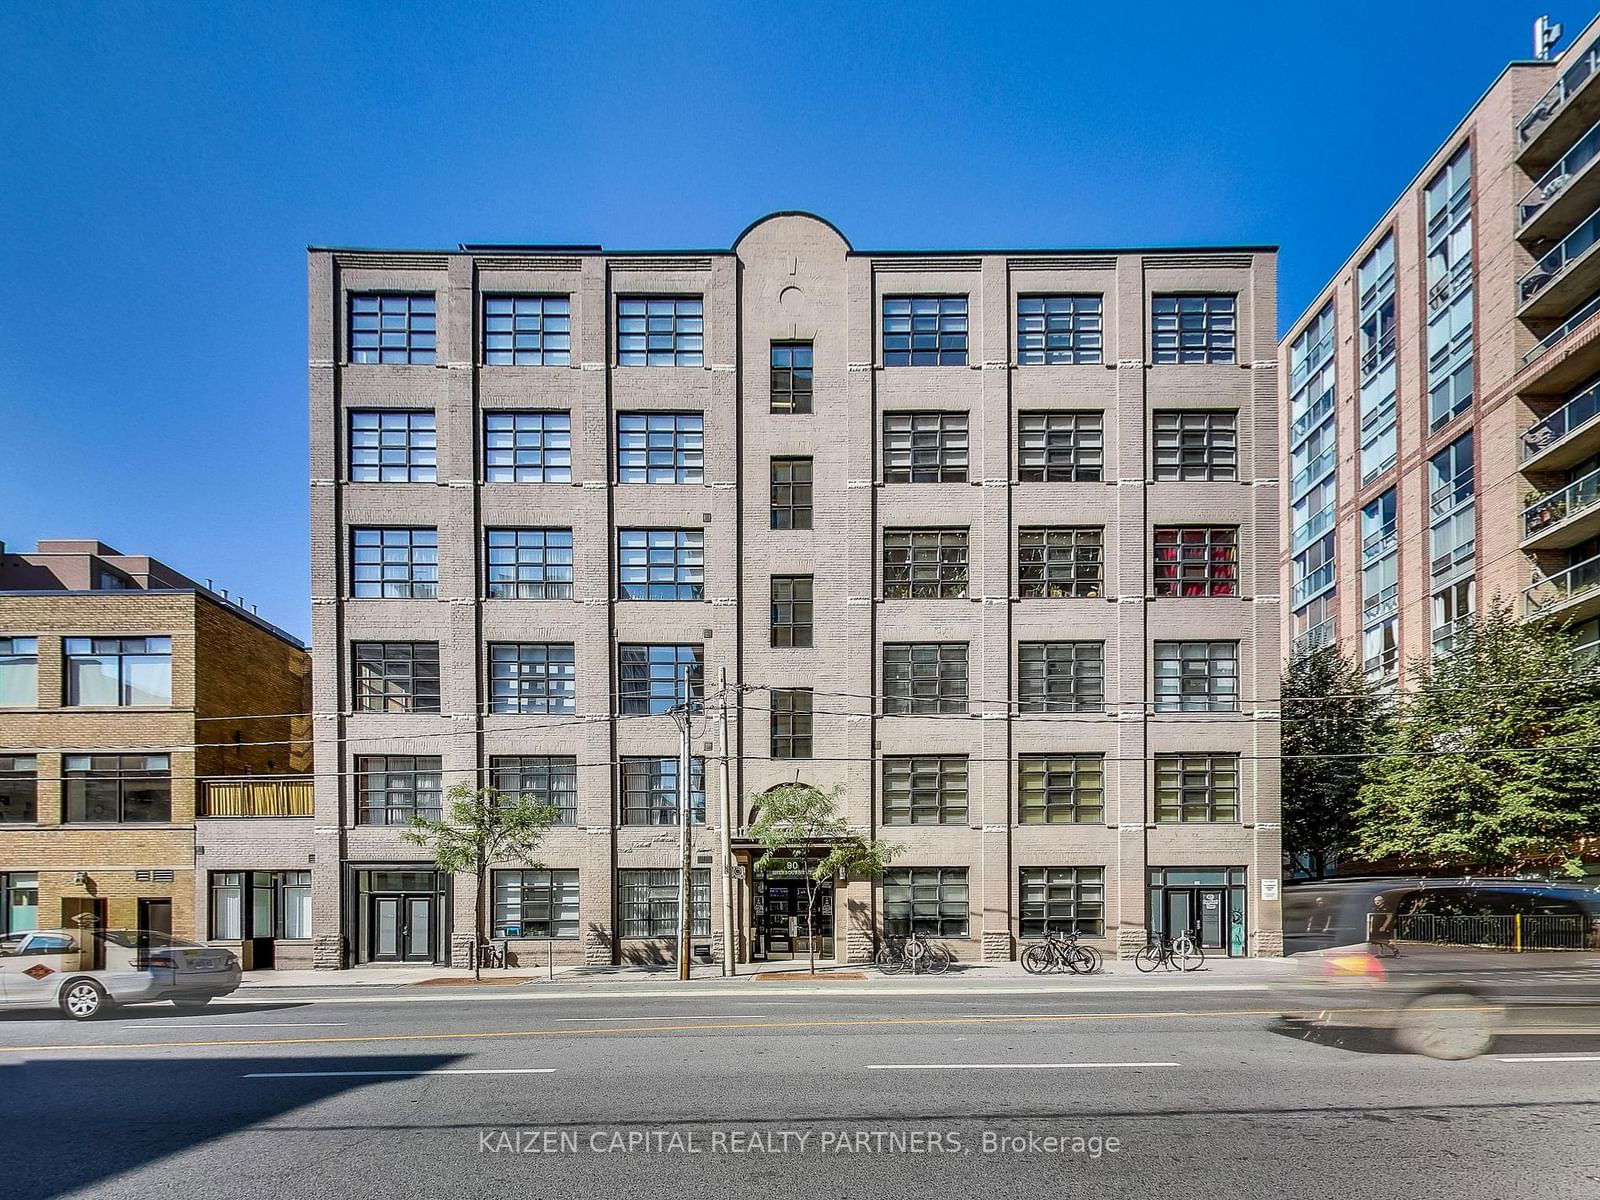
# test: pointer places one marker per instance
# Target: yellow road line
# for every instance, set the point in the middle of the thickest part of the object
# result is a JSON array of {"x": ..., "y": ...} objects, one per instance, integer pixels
[{"x": 635, "y": 1030}]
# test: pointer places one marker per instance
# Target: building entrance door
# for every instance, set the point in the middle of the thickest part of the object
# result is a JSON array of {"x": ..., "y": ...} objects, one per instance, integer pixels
[
  {"x": 401, "y": 929},
  {"x": 781, "y": 919},
  {"x": 1208, "y": 903}
]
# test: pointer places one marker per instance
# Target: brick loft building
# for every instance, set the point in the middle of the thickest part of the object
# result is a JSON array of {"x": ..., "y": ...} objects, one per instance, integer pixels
[
  {"x": 154, "y": 755},
  {"x": 989, "y": 538},
  {"x": 1441, "y": 394}
]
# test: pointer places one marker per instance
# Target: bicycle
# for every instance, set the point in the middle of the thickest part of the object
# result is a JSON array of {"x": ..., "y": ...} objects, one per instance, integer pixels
[
  {"x": 1060, "y": 952},
  {"x": 1182, "y": 953},
  {"x": 914, "y": 951},
  {"x": 492, "y": 954}
]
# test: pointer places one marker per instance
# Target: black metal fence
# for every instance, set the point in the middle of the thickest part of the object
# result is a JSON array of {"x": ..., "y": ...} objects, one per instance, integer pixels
[{"x": 1514, "y": 932}]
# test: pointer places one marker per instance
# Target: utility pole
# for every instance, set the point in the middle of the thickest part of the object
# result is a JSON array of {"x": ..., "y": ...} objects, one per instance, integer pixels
[
  {"x": 680, "y": 713},
  {"x": 726, "y": 817}
]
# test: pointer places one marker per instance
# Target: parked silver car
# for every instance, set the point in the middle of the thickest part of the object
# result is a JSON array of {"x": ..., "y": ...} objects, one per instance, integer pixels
[{"x": 84, "y": 972}]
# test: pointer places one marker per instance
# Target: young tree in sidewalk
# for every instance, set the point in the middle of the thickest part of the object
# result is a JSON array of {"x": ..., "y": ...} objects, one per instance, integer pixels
[
  {"x": 801, "y": 833},
  {"x": 483, "y": 826},
  {"x": 1493, "y": 762},
  {"x": 1330, "y": 712}
]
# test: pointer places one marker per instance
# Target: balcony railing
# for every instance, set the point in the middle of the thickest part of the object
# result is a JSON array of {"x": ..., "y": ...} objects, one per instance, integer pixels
[
  {"x": 1379, "y": 541},
  {"x": 1550, "y": 510},
  {"x": 1554, "y": 181},
  {"x": 1311, "y": 418},
  {"x": 1375, "y": 608},
  {"x": 1313, "y": 471},
  {"x": 1571, "y": 416},
  {"x": 1321, "y": 521},
  {"x": 256, "y": 798},
  {"x": 1560, "y": 92},
  {"x": 1315, "y": 356},
  {"x": 1554, "y": 264},
  {"x": 1577, "y": 580},
  {"x": 1312, "y": 584},
  {"x": 1451, "y": 495},
  {"x": 1561, "y": 332},
  {"x": 1378, "y": 354},
  {"x": 1312, "y": 639}
]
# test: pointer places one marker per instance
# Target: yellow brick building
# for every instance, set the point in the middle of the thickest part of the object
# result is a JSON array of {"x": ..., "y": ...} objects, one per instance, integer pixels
[{"x": 128, "y": 691}]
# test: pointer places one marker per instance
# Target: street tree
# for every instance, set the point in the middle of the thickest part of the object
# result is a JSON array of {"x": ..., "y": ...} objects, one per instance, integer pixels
[
  {"x": 1332, "y": 714},
  {"x": 483, "y": 826},
  {"x": 1493, "y": 761},
  {"x": 802, "y": 833}
]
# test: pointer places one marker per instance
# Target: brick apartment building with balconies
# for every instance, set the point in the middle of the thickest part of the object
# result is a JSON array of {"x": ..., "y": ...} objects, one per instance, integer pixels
[
  {"x": 1441, "y": 394},
  {"x": 989, "y": 538}
]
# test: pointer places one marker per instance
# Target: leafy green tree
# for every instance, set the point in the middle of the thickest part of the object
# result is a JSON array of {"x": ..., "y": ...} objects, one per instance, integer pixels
[
  {"x": 1331, "y": 713},
  {"x": 796, "y": 822},
  {"x": 483, "y": 826},
  {"x": 1494, "y": 760}
]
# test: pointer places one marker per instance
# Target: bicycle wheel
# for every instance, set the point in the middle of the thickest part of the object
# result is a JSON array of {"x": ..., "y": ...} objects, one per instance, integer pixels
[
  {"x": 937, "y": 959},
  {"x": 888, "y": 961},
  {"x": 1186, "y": 954},
  {"x": 1036, "y": 959},
  {"x": 1148, "y": 959},
  {"x": 1077, "y": 959},
  {"x": 1095, "y": 960}
]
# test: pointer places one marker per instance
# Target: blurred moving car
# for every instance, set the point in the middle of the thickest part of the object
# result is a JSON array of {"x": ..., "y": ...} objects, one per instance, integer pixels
[
  {"x": 1444, "y": 966},
  {"x": 83, "y": 972}
]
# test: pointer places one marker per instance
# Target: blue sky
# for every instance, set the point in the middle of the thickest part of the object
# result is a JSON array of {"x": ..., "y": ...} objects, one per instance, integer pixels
[{"x": 163, "y": 167}]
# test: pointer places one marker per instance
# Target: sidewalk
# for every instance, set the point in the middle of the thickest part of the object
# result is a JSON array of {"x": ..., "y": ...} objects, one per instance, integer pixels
[{"x": 1119, "y": 975}]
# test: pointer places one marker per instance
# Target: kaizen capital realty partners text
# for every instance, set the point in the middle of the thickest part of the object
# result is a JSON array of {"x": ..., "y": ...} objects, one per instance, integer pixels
[{"x": 793, "y": 1141}]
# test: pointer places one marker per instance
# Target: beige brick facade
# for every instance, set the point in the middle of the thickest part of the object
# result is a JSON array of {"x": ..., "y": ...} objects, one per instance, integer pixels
[{"x": 794, "y": 277}]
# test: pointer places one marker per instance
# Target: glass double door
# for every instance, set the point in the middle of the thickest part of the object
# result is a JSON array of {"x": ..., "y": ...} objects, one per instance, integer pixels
[
  {"x": 402, "y": 928},
  {"x": 1204, "y": 912},
  {"x": 781, "y": 918}
]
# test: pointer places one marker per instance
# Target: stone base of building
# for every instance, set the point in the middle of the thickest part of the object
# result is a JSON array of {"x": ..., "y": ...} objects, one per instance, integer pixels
[
  {"x": 327, "y": 952},
  {"x": 1269, "y": 943},
  {"x": 858, "y": 946},
  {"x": 598, "y": 950},
  {"x": 1131, "y": 941},
  {"x": 461, "y": 945},
  {"x": 997, "y": 945}
]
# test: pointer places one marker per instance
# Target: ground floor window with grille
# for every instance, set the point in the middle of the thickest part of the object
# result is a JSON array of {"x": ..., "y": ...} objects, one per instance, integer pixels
[
  {"x": 647, "y": 903},
  {"x": 1068, "y": 899},
  {"x": 260, "y": 904},
  {"x": 1060, "y": 789},
  {"x": 535, "y": 904},
  {"x": 393, "y": 789},
  {"x": 930, "y": 900},
  {"x": 543, "y": 779},
  {"x": 1197, "y": 787}
]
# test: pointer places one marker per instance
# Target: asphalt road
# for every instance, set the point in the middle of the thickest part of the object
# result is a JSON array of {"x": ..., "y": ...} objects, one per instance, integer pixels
[{"x": 433, "y": 1095}]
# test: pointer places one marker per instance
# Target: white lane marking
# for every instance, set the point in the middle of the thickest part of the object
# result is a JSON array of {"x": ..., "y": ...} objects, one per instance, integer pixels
[
  {"x": 399, "y": 1074},
  {"x": 659, "y": 1017},
  {"x": 1008, "y": 1066},
  {"x": 1550, "y": 1058},
  {"x": 246, "y": 1025}
]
